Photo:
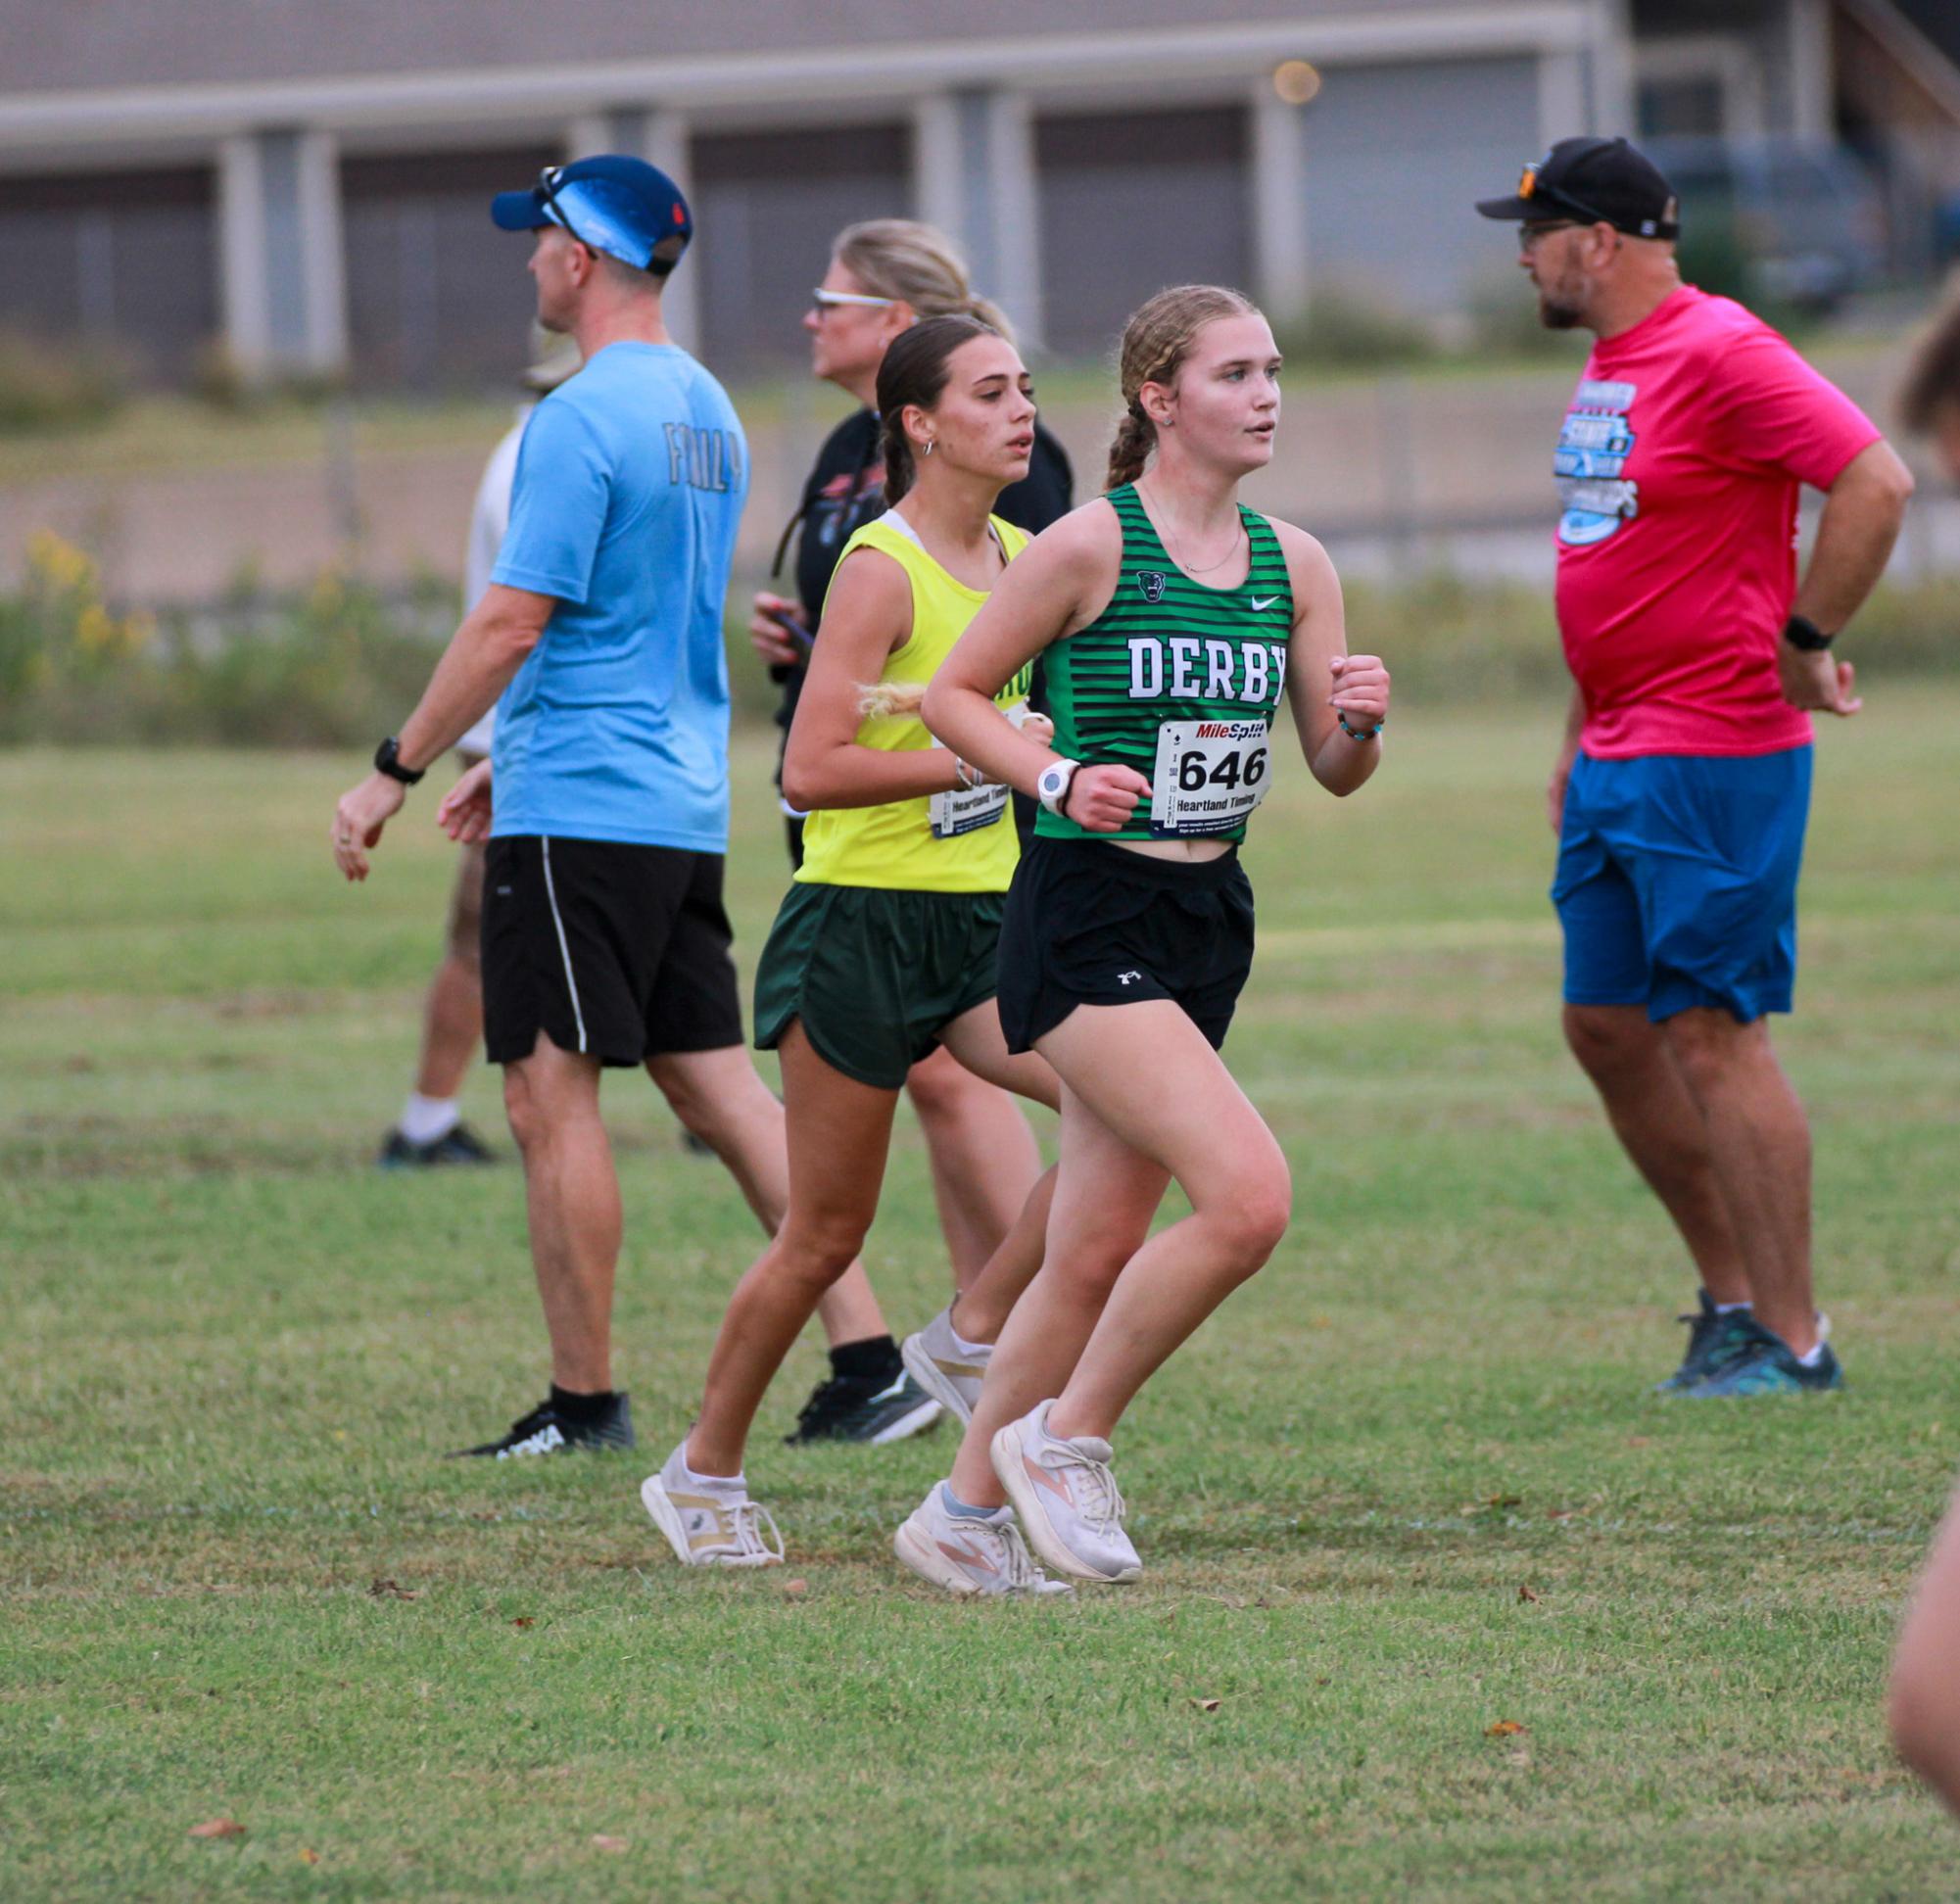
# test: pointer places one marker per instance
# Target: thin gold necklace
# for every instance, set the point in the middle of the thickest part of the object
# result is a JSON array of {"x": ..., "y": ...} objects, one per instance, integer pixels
[{"x": 1164, "y": 536}]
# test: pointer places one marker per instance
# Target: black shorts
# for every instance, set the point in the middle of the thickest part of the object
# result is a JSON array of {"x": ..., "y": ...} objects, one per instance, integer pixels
[
  {"x": 617, "y": 951},
  {"x": 1088, "y": 923}
]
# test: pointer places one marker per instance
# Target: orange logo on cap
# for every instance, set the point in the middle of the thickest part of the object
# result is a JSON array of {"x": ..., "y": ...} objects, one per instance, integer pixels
[{"x": 1528, "y": 184}]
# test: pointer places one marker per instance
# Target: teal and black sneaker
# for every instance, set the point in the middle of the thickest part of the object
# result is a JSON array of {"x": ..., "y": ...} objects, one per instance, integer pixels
[
  {"x": 1713, "y": 1338},
  {"x": 1763, "y": 1365}
]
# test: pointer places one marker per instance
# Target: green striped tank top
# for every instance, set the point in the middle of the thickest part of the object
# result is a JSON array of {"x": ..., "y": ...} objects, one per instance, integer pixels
[{"x": 1177, "y": 681}]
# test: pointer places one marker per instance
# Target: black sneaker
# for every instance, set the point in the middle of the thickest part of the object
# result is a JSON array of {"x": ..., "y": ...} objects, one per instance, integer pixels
[
  {"x": 546, "y": 1431},
  {"x": 871, "y": 1408},
  {"x": 459, "y": 1144},
  {"x": 1714, "y": 1340}
]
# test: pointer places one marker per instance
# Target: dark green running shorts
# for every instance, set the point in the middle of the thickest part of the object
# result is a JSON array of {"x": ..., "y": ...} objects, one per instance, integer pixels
[{"x": 874, "y": 974}]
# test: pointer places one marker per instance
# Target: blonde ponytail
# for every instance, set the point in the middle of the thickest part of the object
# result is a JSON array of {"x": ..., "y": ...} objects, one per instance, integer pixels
[{"x": 879, "y": 698}]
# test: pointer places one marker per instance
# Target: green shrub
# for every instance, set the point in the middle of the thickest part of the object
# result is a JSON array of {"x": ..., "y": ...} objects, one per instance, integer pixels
[
  {"x": 49, "y": 386},
  {"x": 1449, "y": 638},
  {"x": 343, "y": 661},
  {"x": 334, "y": 666},
  {"x": 1350, "y": 330}
]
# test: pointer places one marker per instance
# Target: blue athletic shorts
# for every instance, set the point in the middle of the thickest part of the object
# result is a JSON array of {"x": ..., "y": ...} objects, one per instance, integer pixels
[{"x": 1677, "y": 880}]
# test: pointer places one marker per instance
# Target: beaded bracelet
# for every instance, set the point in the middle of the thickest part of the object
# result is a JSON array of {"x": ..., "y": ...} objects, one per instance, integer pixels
[{"x": 1358, "y": 734}]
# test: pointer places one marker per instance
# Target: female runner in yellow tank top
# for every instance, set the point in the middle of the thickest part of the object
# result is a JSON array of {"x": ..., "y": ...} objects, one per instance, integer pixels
[{"x": 885, "y": 944}]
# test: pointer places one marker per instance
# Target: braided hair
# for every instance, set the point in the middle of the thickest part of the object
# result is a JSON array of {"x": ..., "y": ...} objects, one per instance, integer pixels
[{"x": 1155, "y": 342}]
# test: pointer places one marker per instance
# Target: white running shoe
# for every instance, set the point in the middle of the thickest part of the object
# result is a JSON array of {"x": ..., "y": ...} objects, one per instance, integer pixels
[
  {"x": 968, "y": 1556},
  {"x": 1067, "y": 1499},
  {"x": 950, "y": 1370},
  {"x": 709, "y": 1526}
]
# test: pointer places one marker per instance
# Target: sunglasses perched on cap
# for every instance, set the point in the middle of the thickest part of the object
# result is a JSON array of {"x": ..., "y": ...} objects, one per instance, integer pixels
[
  {"x": 547, "y": 188},
  {"x": 822, "y": 300},
  {"x": 1534, "y": 191}
]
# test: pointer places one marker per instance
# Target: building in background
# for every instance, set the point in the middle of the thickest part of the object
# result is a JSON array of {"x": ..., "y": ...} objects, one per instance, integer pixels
[{"x": 300, "y": 189}]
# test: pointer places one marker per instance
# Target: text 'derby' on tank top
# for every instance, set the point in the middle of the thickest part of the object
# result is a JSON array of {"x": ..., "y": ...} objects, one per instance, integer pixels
[{"x": 1177, "y": 681}]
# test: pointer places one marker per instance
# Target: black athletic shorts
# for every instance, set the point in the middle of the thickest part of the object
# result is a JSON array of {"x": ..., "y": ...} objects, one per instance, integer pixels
[
  {"x": 1090, "y": 924},
  {"x": 617, "y": 951}
]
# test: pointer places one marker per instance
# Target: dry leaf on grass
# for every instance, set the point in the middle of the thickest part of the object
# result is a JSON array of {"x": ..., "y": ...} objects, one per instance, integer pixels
[
  {"x": 1525, "y": 1594},
  {"x": 525, "y": 1619},
  {"x": 219, "y": 1828},
  {"x": 309, "y": 1857},
  {"x": 605, "y": 1844},
  {"x": 795, "y": 1587},
  {"x": 390, "y": 1589},
  {"x": 1504, "y": 1729},
  {"x": 1206, "y": 1705}
]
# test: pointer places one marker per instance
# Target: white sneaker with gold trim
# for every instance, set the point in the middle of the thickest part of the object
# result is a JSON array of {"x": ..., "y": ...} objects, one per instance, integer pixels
[
  {"x": 709, "y": 1522},
  {"x": 948, "y": 1369}
]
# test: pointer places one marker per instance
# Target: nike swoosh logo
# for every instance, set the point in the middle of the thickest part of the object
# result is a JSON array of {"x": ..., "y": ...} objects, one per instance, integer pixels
[
  {"x": 1260, "y": 608},
  {"x": 1043, "y": 1479}
]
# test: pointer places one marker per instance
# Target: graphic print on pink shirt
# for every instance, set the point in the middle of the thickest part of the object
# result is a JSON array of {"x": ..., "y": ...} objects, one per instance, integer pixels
[{"x": 1679, "y": 466}]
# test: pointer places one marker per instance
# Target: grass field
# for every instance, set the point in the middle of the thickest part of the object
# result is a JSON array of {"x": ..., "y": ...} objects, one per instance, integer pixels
[{"x": 1409, "y": 1487}]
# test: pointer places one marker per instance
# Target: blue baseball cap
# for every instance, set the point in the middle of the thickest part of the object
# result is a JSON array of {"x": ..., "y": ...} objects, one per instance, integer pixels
[{"x": 613, "y": 204}]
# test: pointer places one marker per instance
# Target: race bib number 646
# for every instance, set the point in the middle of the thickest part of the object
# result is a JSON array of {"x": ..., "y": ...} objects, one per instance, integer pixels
[{"x": 1210, "y": 775}]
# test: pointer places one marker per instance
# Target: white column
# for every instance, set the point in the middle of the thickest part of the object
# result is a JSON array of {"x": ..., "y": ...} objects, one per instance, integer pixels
[
  {"x": 973, "y": 175},
  {"x": 283, "y": 282},
  {"x": 324, "y": 249},
  {"x": 937, "y": 195},
  {"x": 1610, "y": 66},
  {"x": 1014, "y": 210},
  {"x": 243, "y": 278},
  {"x": 664, "y": 142},
  {"x": 585, "y": 136},
  {"x": 1281, "y": 273},
  {"x": 1562, "y": 98},
  {"x": 1810, "y": 70}
]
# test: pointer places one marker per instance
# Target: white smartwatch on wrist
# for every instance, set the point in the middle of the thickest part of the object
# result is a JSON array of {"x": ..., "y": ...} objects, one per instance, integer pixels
[{"x": 1052, "y": 789}]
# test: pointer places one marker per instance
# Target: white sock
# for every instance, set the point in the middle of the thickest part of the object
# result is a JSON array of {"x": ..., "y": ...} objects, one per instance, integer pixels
[
  {"x": 965, "y": 1509},
  {"x": 1815, "y": 1357},
  {"x": 425, "y": 1120},
  {"x": 978, "y": 1350},
  {"x": 1729, "y": 1308},
  {"x": 736, "y": 1484}
]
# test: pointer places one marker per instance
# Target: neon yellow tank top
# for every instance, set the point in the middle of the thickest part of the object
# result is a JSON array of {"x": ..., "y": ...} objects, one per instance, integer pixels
[{"x": 958, "y": 842}]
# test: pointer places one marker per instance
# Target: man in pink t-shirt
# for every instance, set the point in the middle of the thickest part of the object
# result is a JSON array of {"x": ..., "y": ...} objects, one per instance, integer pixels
[{"x": 1680, "y": 792}]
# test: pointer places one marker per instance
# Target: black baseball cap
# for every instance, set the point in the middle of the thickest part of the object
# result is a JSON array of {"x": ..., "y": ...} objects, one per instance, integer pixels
[
  {"x": 612, "y": 203},
  {"x": 1596, "y": 181}
]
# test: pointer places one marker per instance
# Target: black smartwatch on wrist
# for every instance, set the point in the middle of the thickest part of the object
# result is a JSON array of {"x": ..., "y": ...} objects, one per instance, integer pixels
[
  {"x": 1800, "y": 632},
  {"x": 388, "y": 760}
]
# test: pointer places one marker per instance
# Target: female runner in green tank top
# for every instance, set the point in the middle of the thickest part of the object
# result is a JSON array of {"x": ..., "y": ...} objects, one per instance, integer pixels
[{"x": 1171, "y": 619}]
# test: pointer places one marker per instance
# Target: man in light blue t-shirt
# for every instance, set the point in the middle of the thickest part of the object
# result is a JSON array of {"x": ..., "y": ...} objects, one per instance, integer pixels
[{"x": 599, "y": 640}]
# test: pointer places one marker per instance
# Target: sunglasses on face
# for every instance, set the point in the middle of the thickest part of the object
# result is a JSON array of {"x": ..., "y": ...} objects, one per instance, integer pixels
[{"x": 822, "y": 300}]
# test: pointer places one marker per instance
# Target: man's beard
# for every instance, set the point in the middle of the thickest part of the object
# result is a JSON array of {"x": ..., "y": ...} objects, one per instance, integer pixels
[{"x": 1555, "y": 314}]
